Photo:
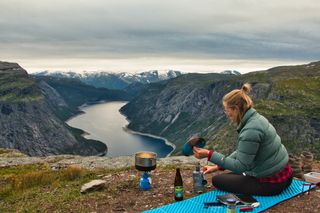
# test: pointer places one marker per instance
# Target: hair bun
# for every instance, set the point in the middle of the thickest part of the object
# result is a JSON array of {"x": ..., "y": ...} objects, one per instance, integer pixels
[{"x": 246, "y": 88}]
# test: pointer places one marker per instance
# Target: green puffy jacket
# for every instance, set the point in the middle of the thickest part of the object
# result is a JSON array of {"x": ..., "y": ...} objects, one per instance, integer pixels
[{"x": 259, "y": 152}]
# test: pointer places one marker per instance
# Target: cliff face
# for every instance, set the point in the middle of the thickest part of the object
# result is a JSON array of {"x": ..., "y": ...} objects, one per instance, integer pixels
[
  {"x": 26, "y": 121},
  {"x": 288, "y": 96},
  {"x": 190, "y": 104},
  {"x": 32, "y": 129}
]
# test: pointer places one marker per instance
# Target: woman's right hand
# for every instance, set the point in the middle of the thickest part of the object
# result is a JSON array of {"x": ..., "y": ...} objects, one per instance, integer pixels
[
  {"x": 209, "y": 169},
  {"x": 200, "y": 153}
]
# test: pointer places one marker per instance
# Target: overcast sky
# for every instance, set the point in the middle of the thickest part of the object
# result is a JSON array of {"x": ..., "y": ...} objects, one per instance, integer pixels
[{"x": 138, "y": 35}]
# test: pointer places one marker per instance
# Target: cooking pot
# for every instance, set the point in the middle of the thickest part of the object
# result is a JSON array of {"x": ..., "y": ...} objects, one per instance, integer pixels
[{"x": 145, "y": 161}]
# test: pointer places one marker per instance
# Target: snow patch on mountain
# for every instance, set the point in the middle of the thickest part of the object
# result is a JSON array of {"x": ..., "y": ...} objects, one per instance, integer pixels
[
  {"x": 113, "y": 80},
  {"x": 231, "y": 72}
]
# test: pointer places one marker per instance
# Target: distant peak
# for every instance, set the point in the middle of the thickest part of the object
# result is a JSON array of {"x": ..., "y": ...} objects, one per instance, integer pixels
[{"x": 231, "y": 72}]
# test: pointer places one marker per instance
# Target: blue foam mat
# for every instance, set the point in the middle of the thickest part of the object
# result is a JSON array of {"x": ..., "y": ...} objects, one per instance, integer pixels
[{"x": 195, "y": 204}]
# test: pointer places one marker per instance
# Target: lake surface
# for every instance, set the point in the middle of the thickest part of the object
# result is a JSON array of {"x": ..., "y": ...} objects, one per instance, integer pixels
[{"x": 105, "y": 123}]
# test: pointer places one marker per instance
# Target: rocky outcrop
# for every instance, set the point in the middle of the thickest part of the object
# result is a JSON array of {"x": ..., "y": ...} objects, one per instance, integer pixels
[
  {"x": 14, "y": 68},
  {"x": 90, "y": 162},
  {"x": 33, "y": 129},
  {"x": 26, "y": 121}
]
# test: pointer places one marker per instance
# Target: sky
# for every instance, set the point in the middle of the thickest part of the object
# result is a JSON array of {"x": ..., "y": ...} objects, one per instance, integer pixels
[{"x": 141, "y": 35}]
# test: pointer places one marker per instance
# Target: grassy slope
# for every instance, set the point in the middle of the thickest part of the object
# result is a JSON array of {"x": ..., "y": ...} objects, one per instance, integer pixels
[
  {"x": 35, "y": 188},
  {"x": 294, "y": 96},
  {"x": 29, "y": 188},
  {"x": 298, "y": 89},
  {"x": 16, "y": 87}
]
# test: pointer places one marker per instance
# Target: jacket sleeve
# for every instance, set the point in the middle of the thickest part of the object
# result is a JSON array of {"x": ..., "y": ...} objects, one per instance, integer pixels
[
  {"x": 233, "y": 155},
  {"x": 243, "y": 158}
]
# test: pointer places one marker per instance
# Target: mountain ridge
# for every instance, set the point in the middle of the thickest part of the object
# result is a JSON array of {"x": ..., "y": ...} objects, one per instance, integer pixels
[
  {"x": 113, "y": 80},
  {"x": 289, "y": 96}
]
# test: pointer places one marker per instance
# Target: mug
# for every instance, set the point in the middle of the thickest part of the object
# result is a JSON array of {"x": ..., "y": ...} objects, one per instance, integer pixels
[{"x": 194, "y": 141}]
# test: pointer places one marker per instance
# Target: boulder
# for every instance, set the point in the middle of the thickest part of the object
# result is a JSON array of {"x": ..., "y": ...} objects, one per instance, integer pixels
[{"x": 93, "y": 186}]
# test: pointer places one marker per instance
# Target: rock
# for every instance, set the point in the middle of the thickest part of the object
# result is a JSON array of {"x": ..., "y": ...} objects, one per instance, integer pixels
[
  {"x": 132, "y": 177},
  {"x": 119, "y": 209},
  {"x": 57, "y": 162},
  {"x": 93, "y": 186},
  {"x": 107, "y": 177},
  {"x": 307, "y": 158}
]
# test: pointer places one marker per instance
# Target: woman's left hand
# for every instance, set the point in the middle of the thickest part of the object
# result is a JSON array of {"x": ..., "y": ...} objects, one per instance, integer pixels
[
  {"x": 200, "y": 153},
  {"x": 209, "y": 169}
]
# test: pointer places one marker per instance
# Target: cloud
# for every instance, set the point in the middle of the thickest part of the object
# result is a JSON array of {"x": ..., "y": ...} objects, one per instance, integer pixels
[{"x": 230, "y": 29}]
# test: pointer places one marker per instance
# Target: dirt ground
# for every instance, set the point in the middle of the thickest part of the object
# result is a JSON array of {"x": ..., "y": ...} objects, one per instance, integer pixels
[{"x": 122, "y": 193}]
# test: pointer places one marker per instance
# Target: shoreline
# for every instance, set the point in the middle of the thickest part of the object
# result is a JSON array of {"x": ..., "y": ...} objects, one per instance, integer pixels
[
  {"x": 72, "y": 116},
  {"x": 80, "y": 112},
  {"x": 152, "y": 136},
  {"x": 166, "y": 141},
  {"x": 125, "y": 128}
]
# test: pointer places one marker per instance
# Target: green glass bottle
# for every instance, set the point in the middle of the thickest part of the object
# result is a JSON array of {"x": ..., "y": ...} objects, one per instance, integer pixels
[{"x": 178, "y": 186}]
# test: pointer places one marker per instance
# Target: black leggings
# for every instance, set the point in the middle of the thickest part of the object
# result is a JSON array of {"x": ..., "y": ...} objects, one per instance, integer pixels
[{"x": 240, "y": 184}]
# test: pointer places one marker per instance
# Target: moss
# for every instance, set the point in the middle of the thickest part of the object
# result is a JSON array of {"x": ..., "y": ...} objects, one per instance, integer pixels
[
  {"x": 16, "y": 98},
  {"x": 20, "y": 84},
  {"x": 17, "y": 87},
  {"x": 5, "y": 151}
]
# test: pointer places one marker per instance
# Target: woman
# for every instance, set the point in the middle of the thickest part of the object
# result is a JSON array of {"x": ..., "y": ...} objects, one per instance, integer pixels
[{"x": 259, "y": 165}]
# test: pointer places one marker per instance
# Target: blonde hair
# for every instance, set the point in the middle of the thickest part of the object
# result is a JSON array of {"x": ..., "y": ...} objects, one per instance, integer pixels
[{"x": 239, "y": 98}]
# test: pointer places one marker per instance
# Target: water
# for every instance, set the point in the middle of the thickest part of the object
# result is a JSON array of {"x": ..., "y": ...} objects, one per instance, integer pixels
[{"x": 105, "y": 123}]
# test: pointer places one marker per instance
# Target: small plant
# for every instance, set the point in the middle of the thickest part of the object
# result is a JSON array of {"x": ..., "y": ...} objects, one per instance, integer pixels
[{"x": 72, "y": 173}]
